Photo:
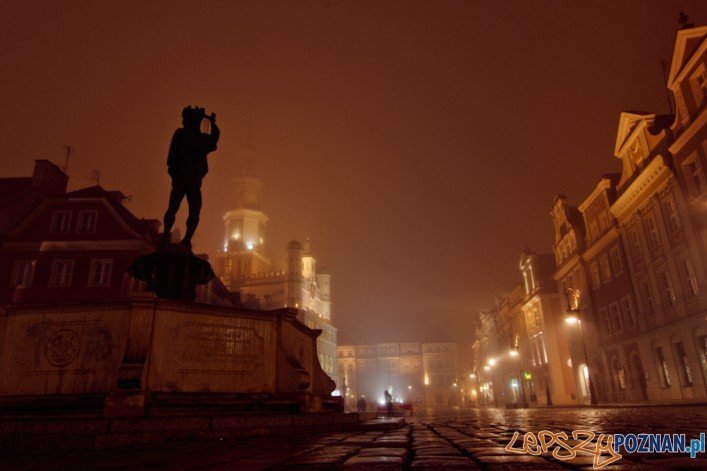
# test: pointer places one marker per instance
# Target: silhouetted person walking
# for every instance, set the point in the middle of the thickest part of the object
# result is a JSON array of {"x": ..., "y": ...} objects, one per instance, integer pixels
[
  {"x": 187, "y": 166},
  {"x": 389, "y": 403},
  {"x": 361, "y": 404}
]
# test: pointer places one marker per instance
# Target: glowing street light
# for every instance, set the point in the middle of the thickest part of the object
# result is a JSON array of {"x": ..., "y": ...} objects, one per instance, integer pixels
[
  {"x": 487, "y": 368},
  {"x": 573, "y": 317},
  {"x": 491, "y": 362}
]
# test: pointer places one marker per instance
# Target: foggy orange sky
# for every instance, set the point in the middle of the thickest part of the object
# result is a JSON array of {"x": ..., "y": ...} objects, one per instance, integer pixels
[{"x": 419, "y": 144}]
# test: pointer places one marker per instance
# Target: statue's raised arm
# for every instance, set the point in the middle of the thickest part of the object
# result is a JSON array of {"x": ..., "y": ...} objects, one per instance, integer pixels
[{"x": 187, "y": 165}]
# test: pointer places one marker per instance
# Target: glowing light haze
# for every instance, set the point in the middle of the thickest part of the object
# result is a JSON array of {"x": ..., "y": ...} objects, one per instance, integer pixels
[{"x": 419, "y": 144}]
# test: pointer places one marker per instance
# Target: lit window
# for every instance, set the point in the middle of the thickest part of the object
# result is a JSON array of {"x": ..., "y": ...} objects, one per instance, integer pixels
[
  {"x": 61, "y": 221},
  {"x": 619, "y": 375},
  {"x": 87, "y": 221},
  {"x": 663, "y": 367},
  {"x": 685, "y": 372},
  {"x": 100, "y": 272},
  {"x": 22, "y": 274},
  {"x": 62, "y": 273}
]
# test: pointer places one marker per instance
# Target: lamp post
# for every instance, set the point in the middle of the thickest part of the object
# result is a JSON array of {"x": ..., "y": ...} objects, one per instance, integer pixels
[
  {"x": 489, "y": 367},
  {"x": 574, "y": 317},
  {"x": 515, "y": 353}
]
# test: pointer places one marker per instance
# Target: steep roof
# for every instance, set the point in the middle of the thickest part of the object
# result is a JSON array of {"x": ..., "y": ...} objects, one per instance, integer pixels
[
  {"x": 115, "y": 199},
  {"x": 13, "y": 188}
]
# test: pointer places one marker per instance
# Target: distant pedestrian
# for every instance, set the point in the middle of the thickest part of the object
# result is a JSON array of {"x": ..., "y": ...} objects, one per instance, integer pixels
[
  {"x": 388, "y": 403},
  {"x": 361, "y": 404},
  {"x": 547, "y": 394}
]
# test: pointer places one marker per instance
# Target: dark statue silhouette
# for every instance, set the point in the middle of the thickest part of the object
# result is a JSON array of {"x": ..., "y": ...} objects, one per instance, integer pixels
[
  {"x": 173, "y": 271},
  {"x": 187, "y": 165}
]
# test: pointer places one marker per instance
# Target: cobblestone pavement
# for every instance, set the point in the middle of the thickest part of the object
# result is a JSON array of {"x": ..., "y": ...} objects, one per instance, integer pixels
[{"x": 467, "y": 439}]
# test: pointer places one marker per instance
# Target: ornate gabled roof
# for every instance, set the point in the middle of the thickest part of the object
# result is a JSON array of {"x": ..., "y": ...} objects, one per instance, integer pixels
[
  {"x": 686, "y": 42},
  {"x": 628, "y": 121}
]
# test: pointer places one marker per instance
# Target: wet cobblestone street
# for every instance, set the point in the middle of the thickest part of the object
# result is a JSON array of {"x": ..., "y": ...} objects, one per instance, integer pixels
[{"x": 466, "y": 439}]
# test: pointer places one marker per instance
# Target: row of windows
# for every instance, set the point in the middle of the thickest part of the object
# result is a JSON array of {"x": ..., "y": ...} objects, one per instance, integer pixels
[
  {"x": 650, "y": 226},
  {"x": 618, "y": 316},
  {"x": 666, "y": 288},
  {"x": 61, "y": 274},
  {"x": 608, "y": 266},
  {"x": 61, "y": 222},
  {"x": 683, "y": 365}
]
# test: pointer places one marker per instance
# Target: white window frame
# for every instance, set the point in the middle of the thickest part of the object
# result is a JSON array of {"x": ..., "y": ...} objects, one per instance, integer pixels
[
  {"x": 628, "y": 312},
  {"x": 65, "y": 225},
  {"x": 667, "y": 290},
  {"x": 53, "y": 274},
  {"x": 95, "y": 263},
  {"x": 80, "y": 220},
  {"x": 617, "y": 323},
  {"x": 652, "y": 233},
  {"x": 24, "y": 278},
  {"x": 594, "y": 272},
  {"x": 605, "y": 268},
  {"x": 615, "y": 260},
  {"x": 687, "y": 270}
]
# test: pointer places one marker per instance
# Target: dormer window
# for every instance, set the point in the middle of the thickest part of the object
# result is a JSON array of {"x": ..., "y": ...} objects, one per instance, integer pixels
[
  {"x": 87, "y": 222},
  {"x": 61, "y": 222}
]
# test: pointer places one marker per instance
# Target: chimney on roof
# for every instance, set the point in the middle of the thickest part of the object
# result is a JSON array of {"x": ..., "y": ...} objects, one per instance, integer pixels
[
  {"x": 118, "y": 196},
  {"x": 49, "y": 176}
]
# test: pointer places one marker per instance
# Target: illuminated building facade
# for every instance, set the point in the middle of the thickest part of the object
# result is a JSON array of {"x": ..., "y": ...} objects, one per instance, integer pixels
[
  {"x": 245, "y": 267},
  {"x": 520, "y": 354},
  {"x": 417, "y": 373},
  {"x": 637, "y": 256}
]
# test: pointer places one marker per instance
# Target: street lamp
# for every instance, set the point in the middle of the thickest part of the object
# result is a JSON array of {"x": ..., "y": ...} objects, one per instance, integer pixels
[
  {"x": 489, "y": 365},
  {"x": 515, "y": 353},
  {"x": 573, "y": 316}
]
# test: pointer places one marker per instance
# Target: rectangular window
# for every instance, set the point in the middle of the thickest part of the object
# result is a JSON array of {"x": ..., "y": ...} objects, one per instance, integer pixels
[
  {"x": 100, "y": 272},
  {"x": 645, "y": 291},
  {"x": 666, "y": 288},
  {"x": 615, "y": 315},
  {"x": 695, "y": 176},
  {"x": 605, "y": 324},
  {"x": 663, "y": 367},
  {"x": 605, "y": 269},
  {"x": 617, "y": 265},
  {"x": 687, "y": 270},
  {"x": 62, "y": 273},
  {"x": 594, "y": 272},
  {"x": 634, "y": 241},
  {"x": 685, "y": 373},
  {"x": 672, "y": 218},
  {"x": 22, "y": 274},
  {"x": 651, "y": 230},
  {"x": 61, "y": 222},
  {"x": 629, "y": 315},
  {"x": 87, "y": 222},
  {"x": 702, "y": 347}
]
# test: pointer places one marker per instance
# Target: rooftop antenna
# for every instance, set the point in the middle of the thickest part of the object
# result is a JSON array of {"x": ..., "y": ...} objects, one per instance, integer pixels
[
  {"x": 67, "y": 150},
  {"x": 95, "y": 176},
  {"x": 664, "y": 68}
]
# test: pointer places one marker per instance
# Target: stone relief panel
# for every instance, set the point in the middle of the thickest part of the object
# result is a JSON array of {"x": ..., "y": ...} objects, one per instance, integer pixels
[
  {"x": 216, "y": 348},
  {"x": 63, "y": 347}
]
